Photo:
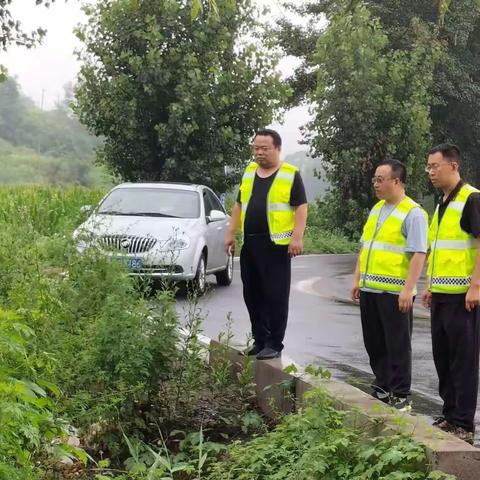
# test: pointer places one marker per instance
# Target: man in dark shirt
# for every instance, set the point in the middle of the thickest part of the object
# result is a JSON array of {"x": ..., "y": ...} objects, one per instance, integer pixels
[
  {"x": 256, "y": 218},
  {"x": 453, "y": 291},
  {"x": 271, "y": 210}
]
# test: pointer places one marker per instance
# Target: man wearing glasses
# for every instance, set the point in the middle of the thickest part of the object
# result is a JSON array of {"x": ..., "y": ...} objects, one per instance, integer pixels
[
  {"x": 394, "y": 246},
  {"x": 271, "y": 210},
  {"x": 453, "y": 291}
]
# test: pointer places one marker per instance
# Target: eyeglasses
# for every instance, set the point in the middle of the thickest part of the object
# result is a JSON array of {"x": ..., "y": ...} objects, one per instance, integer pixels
[
  {"x": 380, "y": 180},
  {"x": 434, "y": 166}
]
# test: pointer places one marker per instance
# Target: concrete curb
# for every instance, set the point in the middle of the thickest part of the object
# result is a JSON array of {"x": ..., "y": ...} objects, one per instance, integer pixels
[{"x": 279, "y": 392}]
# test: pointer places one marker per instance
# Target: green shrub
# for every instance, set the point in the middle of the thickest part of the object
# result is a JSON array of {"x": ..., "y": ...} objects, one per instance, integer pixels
[
  {"x": 114, "y": 347},
  {"x": 316, "y": 443},
  {"x": 26, "y": 407}
]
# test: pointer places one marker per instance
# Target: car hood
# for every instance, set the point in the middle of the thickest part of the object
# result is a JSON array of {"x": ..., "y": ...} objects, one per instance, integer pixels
[{"x": 157, "y": 227}]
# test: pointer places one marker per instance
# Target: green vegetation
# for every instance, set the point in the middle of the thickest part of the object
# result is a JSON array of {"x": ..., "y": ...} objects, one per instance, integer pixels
[
  {"x": 387, "y": 93},
  {"x": 175, "y": 98},
  {"x": 385, "y": 82},
  {"x": 317, "y": 444},
  {"x": 44, "y": 147},
  {"x": 86, "y": 352},
  {"x": 86, "y": 349}
]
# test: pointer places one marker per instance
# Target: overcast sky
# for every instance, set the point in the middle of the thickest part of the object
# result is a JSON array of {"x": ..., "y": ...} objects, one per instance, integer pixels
[{"x": 44, "y": 70}]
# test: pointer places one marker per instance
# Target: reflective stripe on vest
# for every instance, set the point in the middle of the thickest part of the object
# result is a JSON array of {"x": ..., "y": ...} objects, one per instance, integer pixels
[
  {"x": 384, "y": 263},
  {"x": 452, "y": 251},
  {"x": 280, "y": 214}
]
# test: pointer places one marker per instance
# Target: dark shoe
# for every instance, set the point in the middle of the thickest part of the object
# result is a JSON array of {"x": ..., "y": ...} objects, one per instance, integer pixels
[
  {"x": 464, "y": 435},
  {"x": 381, "y": 395},
  {"x": 252, "y": 351},
  {"x": 443, "y": 424},
  {"x": 402, "y": 404},
  {"x": 268, "y": 354}
]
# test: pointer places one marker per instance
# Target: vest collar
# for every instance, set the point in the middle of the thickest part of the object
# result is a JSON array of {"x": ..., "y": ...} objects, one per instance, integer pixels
[{"x": 452, "y": 194}]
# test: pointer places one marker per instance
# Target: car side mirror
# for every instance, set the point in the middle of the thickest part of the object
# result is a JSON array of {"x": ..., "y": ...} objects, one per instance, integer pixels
[
  {"x": 216, "y": 216},
  {"x": 86, "y": 209}
]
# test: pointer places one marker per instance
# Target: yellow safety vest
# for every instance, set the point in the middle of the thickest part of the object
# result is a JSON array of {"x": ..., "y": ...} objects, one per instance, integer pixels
[
  {"x": 452, "y": 251},
  {"x": 384, "y": 263},
  {"x": 280, "y": 214}
]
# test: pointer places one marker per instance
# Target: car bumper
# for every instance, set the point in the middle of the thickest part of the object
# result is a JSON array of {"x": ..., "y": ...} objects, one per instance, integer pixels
[
  {"x": 158, "y": 273},
  {"x": 178, "y": 267}
]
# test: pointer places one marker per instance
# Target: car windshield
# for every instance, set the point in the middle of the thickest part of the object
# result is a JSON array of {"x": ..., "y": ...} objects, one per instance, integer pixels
[{"x": 151, "y": 202}]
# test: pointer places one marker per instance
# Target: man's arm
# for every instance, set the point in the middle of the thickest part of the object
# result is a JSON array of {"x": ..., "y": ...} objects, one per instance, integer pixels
[
  {"x": 296, "y": 244},
  {"x": 355, "y": 291},
  {"x": 470, "y": 222},
  {"x": 232, "y": 228},
  {"x": 427, "y": 294},
  {"x": 416, "y": 230},
  {"x": 472, "y": 299},
  {"x": 298, "y": 200},
  {"x": 405, "y": 299}
]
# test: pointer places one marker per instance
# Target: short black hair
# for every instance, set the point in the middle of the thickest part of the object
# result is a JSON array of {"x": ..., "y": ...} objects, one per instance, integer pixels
[
  {"x": 267, "y": 132},
  {"x": 449, "y": 151},
  {"x": 399, "y": 170}
]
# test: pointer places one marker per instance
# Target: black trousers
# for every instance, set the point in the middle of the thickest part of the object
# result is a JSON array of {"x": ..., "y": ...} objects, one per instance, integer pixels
[
  {"x": 455, "y": 344},
  {"x": 266, "y": 273},
  {"x": 387, "y": 334}
]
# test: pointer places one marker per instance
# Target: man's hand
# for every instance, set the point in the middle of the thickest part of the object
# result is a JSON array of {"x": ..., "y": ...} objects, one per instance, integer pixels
[
  {"x": 295, "y": 246},
  {"x": 472, "y": 299},
  {"x": 405, "y": 300},
  {"x": 427, "y": 298},
  {"x": 229, "y": 242},
  {"x": 355, "y": 291}
]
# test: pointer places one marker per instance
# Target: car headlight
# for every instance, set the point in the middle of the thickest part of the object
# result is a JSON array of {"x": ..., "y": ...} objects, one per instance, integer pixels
[
  {"x": 83, "y": 239},
  {"x": 82, "y": 245},
  {"x": 180, "y": 242}
]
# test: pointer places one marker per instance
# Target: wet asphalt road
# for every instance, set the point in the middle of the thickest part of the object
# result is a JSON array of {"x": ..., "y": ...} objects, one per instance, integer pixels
[{"x": 322, "y": 330}]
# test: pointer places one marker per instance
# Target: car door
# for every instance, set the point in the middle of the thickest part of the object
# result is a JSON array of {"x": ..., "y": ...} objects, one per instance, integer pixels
[
  {"x": 211, "y": 235},
  {"x": 215, "y": 231}
]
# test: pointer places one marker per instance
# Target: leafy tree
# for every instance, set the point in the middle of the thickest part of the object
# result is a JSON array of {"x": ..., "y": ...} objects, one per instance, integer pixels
[
  {"x": 455, "y": 103},
  {"x": 175, "y": 98},
  {"x": 370, "y": 103},
  {"x": 11, "y": 31}
]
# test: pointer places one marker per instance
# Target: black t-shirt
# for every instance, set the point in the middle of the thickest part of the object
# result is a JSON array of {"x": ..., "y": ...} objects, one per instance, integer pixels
[
  {"x": 256, "y": 217},
  {"x": 469, "y": 223}
]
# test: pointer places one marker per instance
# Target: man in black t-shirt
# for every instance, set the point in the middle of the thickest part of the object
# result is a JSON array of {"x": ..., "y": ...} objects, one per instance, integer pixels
[
  {"x": 453, "y": 291},
  {"x": 271, "y": 209}
]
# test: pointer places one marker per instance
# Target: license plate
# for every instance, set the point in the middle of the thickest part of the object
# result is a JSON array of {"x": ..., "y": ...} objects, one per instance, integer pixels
[
  {"x": 131, "y": 263},
  {"x": 134, "y": 263}
]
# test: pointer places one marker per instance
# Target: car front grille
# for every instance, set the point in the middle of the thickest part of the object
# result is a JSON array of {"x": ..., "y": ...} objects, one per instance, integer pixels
[{"x": 127, "y": 243}]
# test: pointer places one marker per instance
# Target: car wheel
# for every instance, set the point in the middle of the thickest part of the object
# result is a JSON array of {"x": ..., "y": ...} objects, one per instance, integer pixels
[
  {"x": 225, "y": 277},
  {"x": 200, "y": 281}
]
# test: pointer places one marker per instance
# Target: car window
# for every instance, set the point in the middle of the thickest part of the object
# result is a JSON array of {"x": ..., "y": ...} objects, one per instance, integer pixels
[
  {"x": 215, "y": 202},
  {"x": 155, "y": 202},
  {"x": 207, "y": 199},
  {"x": 212, "y": 201}
]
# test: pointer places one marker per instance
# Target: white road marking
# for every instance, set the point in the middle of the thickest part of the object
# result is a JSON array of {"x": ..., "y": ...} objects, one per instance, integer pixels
[{"x": 306, "y": 286}]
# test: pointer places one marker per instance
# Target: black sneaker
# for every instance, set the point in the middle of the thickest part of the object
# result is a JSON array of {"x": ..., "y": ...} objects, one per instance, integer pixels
[
  {"x": 463, "y": 434},
  {"x": 382, "y": 396},
  {"x": 443, "y": 424},
  {"x": 268, "y": 354},
  {"x": 252, "y": 351},
  {"x": 402, "y": 404}
]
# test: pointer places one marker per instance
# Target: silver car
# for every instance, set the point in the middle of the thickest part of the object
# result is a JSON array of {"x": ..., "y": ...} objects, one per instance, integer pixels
[{"x": 161, "y": 230}]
